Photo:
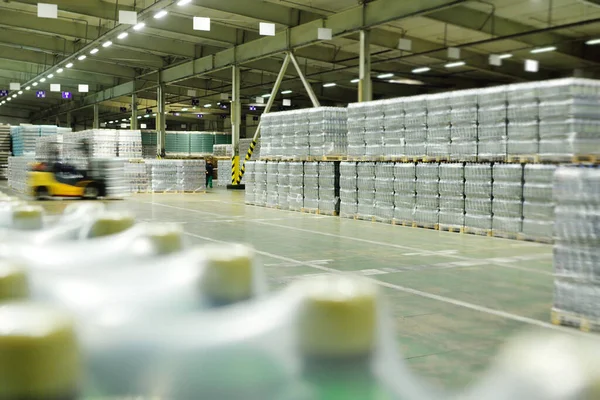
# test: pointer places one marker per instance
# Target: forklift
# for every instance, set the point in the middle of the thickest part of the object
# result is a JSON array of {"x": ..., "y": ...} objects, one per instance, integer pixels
[{"x": 54, "y": 178}]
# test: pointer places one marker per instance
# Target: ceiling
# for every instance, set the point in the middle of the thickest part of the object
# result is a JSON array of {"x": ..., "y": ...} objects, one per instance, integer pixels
[{"x": 32, "y": 48}]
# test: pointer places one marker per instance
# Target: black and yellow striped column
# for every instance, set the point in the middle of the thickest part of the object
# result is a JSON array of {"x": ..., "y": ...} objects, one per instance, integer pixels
[{"x": 248, "y": 157}]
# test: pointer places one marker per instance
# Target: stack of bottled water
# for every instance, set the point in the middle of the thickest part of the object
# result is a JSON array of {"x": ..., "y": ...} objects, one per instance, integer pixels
[
  {"x": 394, "y": 128},
  {"x": 329, "y": 187},
  {"x": 266, "y": 134},
  {"x": 18, "y": 168},
  {"x": 357, "y": 117},
  {"x": 301, "y": 134},
  {"x": 288, "y": 133},
  {"x": 272, "y": 184},
  {"x": 405, "y": 192},
  {"x": 507, "y": 205},
  {"x": 492, "y": 124},
  {"x": 478, "y": 196},
  {"x": 163, "y": 174},
  {"x": 366, "y": 189},
  {"x": 374, "y": 128},
  {"x": 276, "y": 136},
  {"x": 428, "y": 195},
  {"x": 296, "y": 191},
  {"x": 384, "y": 191},
  {"x": 136, "y": 176},
  {"x": 538, "y": 205},
  {"x": 283, "y": 185},
  {"x": 328, "y": 131},
  {"x": 191, "y": 175},
  {"x": 569, "y": 121},
  {"x": 523, "y": 119},
  {"x": 438, "y": 126},
  {"x": 223, "y": 175},
  {"x": 311, "y": 186},
  {"x": 577, "y": 246},
  {"x": 415, "y": 123},
  {"x": 452, "y": 198},
  {"x": 348, "y": 189},
  {"x": 249, "y": 181},
  {"x": 464, "y": 117},
  {"x": 129, "y": 143},
  {"x": 260, "y": 185}
]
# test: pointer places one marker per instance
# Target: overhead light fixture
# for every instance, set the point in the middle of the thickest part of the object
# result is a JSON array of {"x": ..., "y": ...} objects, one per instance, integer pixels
[
  {"x": 123, "y": 35},
  {"x": 94, "y": 51},
  {"x": 286, "y": 92},
  {"x": 406, "y": 81},
  {"x": 69, "y": 65},
  {"x": 9, "y": 99},
  {"x": 20, "y": 92},
  {"x": 421, "y": 70},
  {"x": 593, "y": 42},
  {"x": 28, "y": 88},
  {"x": 14, "y": 96},
  {"x": 543, "y": 50},
  {"x": 147, "y": 116},
  {"x": 50, "y": 76},
  {"x": 34, "y": 84},
  {"x": 455, "y": 64},
  {"x": 108, "y": 43},
  {"x": 82, "y": 57},
  {"x": 124, "y": 120},
  {"x": 266, "y": 96},
  {"x": 154, "y": 115},
  {"x": 139, "y": 26},
  {"x": 184, "y": 2},
  {"x": 160, "y": 14},
  {"x": 207, "y": 105},
  {"x": 385, "y": 76},
  {"x": 43, "y": 80},
  {"x": 332, "y": 84},
  {"x": 184, "y": 109},
  {"x": 59, "y": 71},
  {"x": 504, "y": 56},
  {"x": 355, "y": 80},
  {"x": 139, "y": 117}
]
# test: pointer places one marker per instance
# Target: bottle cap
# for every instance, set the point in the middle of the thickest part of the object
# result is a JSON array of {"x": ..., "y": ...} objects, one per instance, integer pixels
[
  {"x": 27, "y": 217},
  {"x": 165, "y": 238},
  {"x": 338, "y": 317},
  {"x": 40, "y": 358},
  {"x": 229, "y": 273},
  {"x": 13, "y": 281},
  {"x": 110, "y": 223}
]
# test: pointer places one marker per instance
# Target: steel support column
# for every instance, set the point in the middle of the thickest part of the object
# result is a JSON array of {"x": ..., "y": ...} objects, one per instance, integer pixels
[
  {"x": 365, "y": 85},
  {"x": 161, "y": 126},
  {"x": 96, "y": 122},
  {"x": 134, "y": 113},
  {"x": 236, "y": 111},
  {"x": 307, "y": 87},
  {"x": 69, "y": 120}
]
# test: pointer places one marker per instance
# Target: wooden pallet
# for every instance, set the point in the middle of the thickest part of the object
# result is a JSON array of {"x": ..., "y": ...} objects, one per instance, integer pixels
[
  {"x": 435, "y": 159},
  {"x": 402, "y": 223},
  {"x": 491, "y": 159},
  {"x": 330, "y": 213},
  {"x": 426, "y": 226},
  {"x": 582, "y": 323},
  {"x": 524, "y": 159},
  {"x": 310, "y": 210},
  {"x": 383, "y": 220},
  {"x": 586, "y": 159},
  {"x": 450, "y": 228},
  {"x": 477, "y": 231}
]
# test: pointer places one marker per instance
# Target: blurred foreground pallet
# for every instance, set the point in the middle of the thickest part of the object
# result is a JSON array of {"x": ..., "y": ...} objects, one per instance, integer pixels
[{"x": 582, "y": 323}]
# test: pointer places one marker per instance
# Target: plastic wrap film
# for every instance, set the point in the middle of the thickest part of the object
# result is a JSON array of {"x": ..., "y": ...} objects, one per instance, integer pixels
[
  {"x": 393, "y": 121},
  {"x": 272, "y": 184},
  {"x": 452, "y": 198},
  {"x": 538, "y": 204},
  {"x": 356, "y": 129},
  {"x": 287, "y": 131},
  {"x": 375, "y": 128},
  {"x": 438, "y": 142},
  {"x": 415, "y": 122},
  {"x": 163, "y": 175},
  {"x": 329, "y": 187},
  {"x": 311, "y": 186},
  {"x": 507, "y": 205},
  {"x": 328, "y": 131},
  {"x": 301, "y": 134},
  {"x": 405, "y": 189},
  {"x": 478, "y": 196},
  {"x": 384, "y": 192},
  {"x": 427, "y": 201},
  {"x": 523, "y": 119},
  {"x": 250, "y": 182},
  {"x": 129, "y": 144},
  {"x": 577, "y": 241},
  {"x": 260, "y": 179},
  {"x": 366, "y": 189},
  {"x": 348, "y": 189},
  {"x": 492, "y": 124},
  {"x": 296, "y": 191},
  {"x": 266, "y": 133},
  {"x": 283, "y": 185}
]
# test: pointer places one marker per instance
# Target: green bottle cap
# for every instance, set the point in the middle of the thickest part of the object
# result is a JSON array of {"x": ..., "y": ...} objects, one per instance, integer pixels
[
  {"x": 25, "y": 217},
  {"x": 111, "y": 223},
  {"x": 39, "y": 357},
  {"x": 338, "y": 317},
  {"x": 165, "y": 238},
  {"x": 229, "y": 273},
  {"x": 13, "y": 281}
]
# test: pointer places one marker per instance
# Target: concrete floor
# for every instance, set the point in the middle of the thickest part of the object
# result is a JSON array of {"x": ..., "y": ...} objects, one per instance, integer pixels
[{"x": 455, "y": 298}]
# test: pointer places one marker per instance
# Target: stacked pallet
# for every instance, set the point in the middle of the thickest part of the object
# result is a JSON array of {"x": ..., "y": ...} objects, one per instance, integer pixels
[
  {"x": 18, "y": 168},
  {"x": 348, "y": 189},
  {"x": 223, "y": 173},
  {"x": 538, "y": 205},
  {"x": 4, "y": 150},
  {"x": 129, "y": 144}
]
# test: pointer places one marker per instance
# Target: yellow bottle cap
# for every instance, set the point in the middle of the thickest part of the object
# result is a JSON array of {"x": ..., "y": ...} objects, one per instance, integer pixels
[
  {"x": 229, "y": 273},
  {"x": 338, "y": 317},
  {"x": 28, "y": 217},
  {"x": 39, "y": 353},
  {"x": 13, "y": 281},
  {"x": 165, "y": 238},
  {"x": 110, "y": 223}
]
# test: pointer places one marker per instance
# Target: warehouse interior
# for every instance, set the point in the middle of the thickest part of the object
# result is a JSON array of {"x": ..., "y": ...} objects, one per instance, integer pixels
[{"x": 443, "y": 153}]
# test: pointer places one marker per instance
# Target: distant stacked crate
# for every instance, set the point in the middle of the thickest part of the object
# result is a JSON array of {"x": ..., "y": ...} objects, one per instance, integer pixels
[
  {"x": 311, "y": 186},
  {"x": 384, "y": 192},
  {"x": 249, "y": 181},
  {"x": 507, "y": 205},
  {"x": 329, "y": 188},
  {"x": 356, "y": 129},
  {"x": 223, "y": 173},
  {"x": 129, "y": 143},
  {"x": 577, "y": 246},
  {"x": 104, "y": 143},
  {"x": 4, "y": 150},
  {"x": 24, "y": 137},
  {"x": 438, "y": 127},
  {"x": 136, "y": 176},
  {"x": 523, "y": 119},
  {"x": 223, "y": 150},
  {"x": 452, "y": 196},
  {"x": 272, "y": 184},
  {"x": 428, "y": 195},
  {"x": 191, "y": 175},
  {"x": 478, "y": 197},
  {"x": 464, "y": 130},
  {"x": 405, "y": 192},
  {"x": 348, "y": 189},
  {"x": 296, "y": 191},
  {"x": 17, "y": 172},
  {"x": 283, "y": 185},
  {"x": 415, "y": 121},
  {"x": 393, "y": 124},
  {"x": 375, "y": 128},
  {"x": 538, "y": 205},
  {"x": 260, "y": 188},
  {"x": 16, "y": 138},
  {"x": 366, "y": 190}
]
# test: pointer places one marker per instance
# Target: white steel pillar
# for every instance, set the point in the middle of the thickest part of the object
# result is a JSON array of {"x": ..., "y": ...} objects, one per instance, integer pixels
[
  {"x": 134, "y": 113},
  {"x": 161, "y": 126},
  {"x": 365, "y": 85},
  {"x": 236, "y": 110},
  {"x": 96, "y": 122}
]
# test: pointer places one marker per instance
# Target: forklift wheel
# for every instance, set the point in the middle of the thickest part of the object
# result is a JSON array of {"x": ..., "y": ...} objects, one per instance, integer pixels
[
  {"x": 42, "y": 193},
  {"x": 91, "y": 192}
]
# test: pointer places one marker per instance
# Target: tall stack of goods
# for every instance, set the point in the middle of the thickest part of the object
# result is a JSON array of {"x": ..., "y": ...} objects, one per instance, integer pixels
[
  {"x": 348, "y": 189},
  {"x": 384, "y": 192},
  {"x": 249, "y": 181},
  {"x": 538, "y": 205},
  {"x": 260, "y": 179},
  {"x": 223, "y": 150},
  {"x": 523, "y": 119},
  {"x": 415, "y": 122},
  {"x": 296, "y": 191},
  {"x": 507, "y": 205},
  {"x": 357, "y": 119},
  {"x": 452, "y": 197},
  {"x": 4, "y": 150},
  {"x": 329, "y": 188},
  {"x": 492, "y": 124},
  {"x": 569, "y": 119},
  {"x": 428, "y": 194},
  {"x": 223, "y": 174},
  {"x": 405, "y": 192},
  {"x": 478, "y": 197},
  {"x": 163, "y": 175},
  {"x": 366, "y": 190},
  {"x": 463, "y": 120},
  {"x": 577, "y": 245},
  {"x": 374, "y": 128},
  {"x": 111, "y": 171},
  {"x": 191, "y": 175},
  {"x": 328, "y": 131},
  {"x": 311, "y": 186},
  {"x": 393, "y": 124},
  {"x": 129, "y": 143},
  {"x": 438, "y": 126},
  {"x": 301, "y": 134},
  {"x": 283, "y": 185},
  {"x": 287, "y": 132},
  {"x": 272, "y": 184},
  {"x": 17, "y": 172},
  {"x": 136, "y": 176},
  {"x": 276, "y": 122},
  {"x": 266, "y": 134},
  {"x": 48, "y": 147},
  {"x": 16, "y": 137}
]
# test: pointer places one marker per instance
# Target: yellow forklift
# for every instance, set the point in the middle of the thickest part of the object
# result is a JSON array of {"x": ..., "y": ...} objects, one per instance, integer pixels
[{"x": 54, "y": 178}]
